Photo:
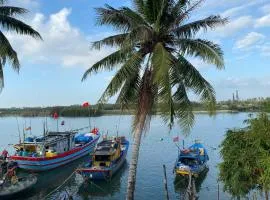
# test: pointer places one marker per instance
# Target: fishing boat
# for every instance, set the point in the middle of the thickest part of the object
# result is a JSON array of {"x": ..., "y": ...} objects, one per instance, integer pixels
[
  {"x": 10, "y": 184},
  {"x": 109, "y": 156},
  {"x": 8, "y": 189},
  {"x": 192, "y": 160},
  {"x": 54, "y": 149}
]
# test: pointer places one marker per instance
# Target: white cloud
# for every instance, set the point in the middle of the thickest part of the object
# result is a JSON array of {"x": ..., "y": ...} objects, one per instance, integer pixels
[
  {"x": 265, "y": 49},
  {"x": 263, "y": 21},
  {"x": 266, "y": 8},
  {"x": 63, "y": 43},
  {"x": 249, "y": 40},
  {"x": 234, "y": 26}
]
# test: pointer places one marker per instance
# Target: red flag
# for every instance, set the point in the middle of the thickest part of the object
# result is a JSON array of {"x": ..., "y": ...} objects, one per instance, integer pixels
[
  {"x": 28, "y": 128},
  {"x": 85, "y": 104},
  {"x": 176, "y": 139},
  {"x": 55, "y": 115}
]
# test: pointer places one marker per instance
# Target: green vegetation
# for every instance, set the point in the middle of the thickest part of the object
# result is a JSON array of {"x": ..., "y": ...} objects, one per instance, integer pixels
[
  {"x": 249, "y": 105},
  {"x": 246, "y": 158},
  {"x": 152, "y": 49},
  {"x": 10, "y": 23}
]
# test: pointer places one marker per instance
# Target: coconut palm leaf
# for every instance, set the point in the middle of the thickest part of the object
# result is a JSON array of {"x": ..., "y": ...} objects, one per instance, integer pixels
[
  {"x": 11, "y": 11},
  {"x": 8, "y": 22},
  {"x": 190, "y": 29},
  {"x": 108, "y": 63},
  {"x": 206, "y": 50},
  {"x": 8, "y": 53},
  {"x": 12, "y": 24},
  {"x": 129, "y": 69},
  {"x": 183, "y": 108},
  {"x": 112, "y": 41}
]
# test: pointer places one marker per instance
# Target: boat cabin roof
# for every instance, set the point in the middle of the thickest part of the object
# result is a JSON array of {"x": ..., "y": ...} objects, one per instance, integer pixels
[{"x": 106, "y": 147}]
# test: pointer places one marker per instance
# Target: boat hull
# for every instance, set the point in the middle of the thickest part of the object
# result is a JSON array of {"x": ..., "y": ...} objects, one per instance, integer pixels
[
  {"x": 92, "y": 173},
  {"x": 194, "y": 172},
  {"x": 44, "y": 164}
]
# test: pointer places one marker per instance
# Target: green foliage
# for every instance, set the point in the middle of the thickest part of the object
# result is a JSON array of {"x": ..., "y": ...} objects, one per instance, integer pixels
[
  {"x": 8, "y": 22},
  {"x": 151, "y": 49},
  {"x": 245, "y": 153}
]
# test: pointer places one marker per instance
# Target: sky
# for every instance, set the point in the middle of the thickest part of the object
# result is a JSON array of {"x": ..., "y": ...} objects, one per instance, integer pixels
[{"x": 51, "y": 70}]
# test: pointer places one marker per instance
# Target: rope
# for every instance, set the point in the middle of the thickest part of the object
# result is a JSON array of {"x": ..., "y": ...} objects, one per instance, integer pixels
[{"x": 59, "y": 185}]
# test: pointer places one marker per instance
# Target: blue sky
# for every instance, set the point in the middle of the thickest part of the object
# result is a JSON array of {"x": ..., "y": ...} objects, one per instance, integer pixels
[{"x": 51, "y": 70}]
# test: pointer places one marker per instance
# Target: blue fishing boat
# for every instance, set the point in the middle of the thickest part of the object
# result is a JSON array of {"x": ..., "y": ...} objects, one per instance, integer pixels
[
  {"x": 53, "y": 150},
  {"x": 108, "y": 158},
  {"x": 191, "y": 160}
]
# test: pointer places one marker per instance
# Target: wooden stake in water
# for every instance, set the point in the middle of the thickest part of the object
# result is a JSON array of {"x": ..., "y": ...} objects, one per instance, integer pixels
[
  {"x": 218, "y": 190},
  {"x": 165, "y": 183}
]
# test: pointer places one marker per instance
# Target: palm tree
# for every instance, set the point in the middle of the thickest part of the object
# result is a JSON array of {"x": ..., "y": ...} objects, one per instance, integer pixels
[
  {"x": 153, "y": 71},
  {"x": 8, "y": 22}
]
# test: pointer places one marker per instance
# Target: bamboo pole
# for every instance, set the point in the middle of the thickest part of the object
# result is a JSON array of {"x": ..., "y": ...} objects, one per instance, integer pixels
[{"x": 165, "y": 183}]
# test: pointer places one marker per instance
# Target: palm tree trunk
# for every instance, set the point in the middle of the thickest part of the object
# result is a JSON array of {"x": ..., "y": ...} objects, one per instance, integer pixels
[
  {"x": 266, "y": 194},
  {"x": 134, "y": 159}
]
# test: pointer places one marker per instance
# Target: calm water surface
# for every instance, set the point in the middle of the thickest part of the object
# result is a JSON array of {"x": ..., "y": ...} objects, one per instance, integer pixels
[{"x": 154, "y": 153}]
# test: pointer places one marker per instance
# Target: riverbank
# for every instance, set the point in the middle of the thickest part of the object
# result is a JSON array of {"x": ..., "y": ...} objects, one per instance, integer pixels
[{"x": 253, "y": 105}]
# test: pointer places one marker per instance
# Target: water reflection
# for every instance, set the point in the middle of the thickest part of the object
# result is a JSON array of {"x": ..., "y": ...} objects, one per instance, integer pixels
[
  {"x": 181, "y": 183},
  {"x": 50, "y": 180},
  {"x": 102, "y": 188}
]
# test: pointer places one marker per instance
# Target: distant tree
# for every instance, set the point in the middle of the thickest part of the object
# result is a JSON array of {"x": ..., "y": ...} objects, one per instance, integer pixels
[
  {"x": 9, "y": 22},
  {"x": 246, "y": 158}
]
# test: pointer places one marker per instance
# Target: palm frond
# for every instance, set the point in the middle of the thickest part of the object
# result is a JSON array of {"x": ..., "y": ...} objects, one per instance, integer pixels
[
  {"x": 208, "y": 51},
  {"x": 161, "y": 62},
  {"x": 112, "y": 41},
  {"x": 129, "y": 92},
  {"x": 12, "y": 24},
  {"x": 139, "y": 6},
  {"x": 108, "y": 63},
  {"x": 185, "y": 14},
  {"x": 122, "y": 19},
  {"x": 11, "y": 11},
  {"x": 1, "y": 76},
  {"x": 190, "y": 29},
  {"x": 183, "y": 108},
  {"x": 185, "y": 72},
  {"x": 125, "y": 72},
  {"x": 7, "y": 53}
]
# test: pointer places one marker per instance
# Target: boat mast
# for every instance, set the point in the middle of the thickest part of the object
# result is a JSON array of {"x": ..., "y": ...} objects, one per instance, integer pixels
[{"x": 18, "y": 130}]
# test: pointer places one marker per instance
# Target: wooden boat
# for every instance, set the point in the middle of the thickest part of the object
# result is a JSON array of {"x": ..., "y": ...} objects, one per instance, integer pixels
[
  {"x": 54, "y": 149},
  {"x": 109, "y": 156},
  {"x": 192, "y": 160},
  {"x": 8, "y": 190}
]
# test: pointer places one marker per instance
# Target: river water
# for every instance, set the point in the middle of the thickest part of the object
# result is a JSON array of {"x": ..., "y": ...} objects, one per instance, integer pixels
[{"x": 157, "y": 148}]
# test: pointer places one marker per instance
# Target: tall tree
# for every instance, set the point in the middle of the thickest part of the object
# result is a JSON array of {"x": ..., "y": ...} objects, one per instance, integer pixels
[
  {"x": 151, "y": 61},
  {"x": 10, "y": 23}
]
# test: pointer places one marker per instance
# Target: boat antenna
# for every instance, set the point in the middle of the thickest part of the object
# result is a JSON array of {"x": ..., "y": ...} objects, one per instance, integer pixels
[
  {"x": 44, "y": 130},
  {"x": 183, "y": 144},
  {"x": 23, "y": 139},
  {"x": 89, "y": 117},
  {"x": 30, "y": 128},
  {"x": 18, "y": 130}
]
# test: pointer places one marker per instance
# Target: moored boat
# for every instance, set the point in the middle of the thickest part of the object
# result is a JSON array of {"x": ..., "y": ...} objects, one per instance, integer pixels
[
  {"x": 192, "y": 160},
  {"x": 8, "y": 189},
  {"x": 108, "y": 158},
  {"x": 54, "y": 149}
]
